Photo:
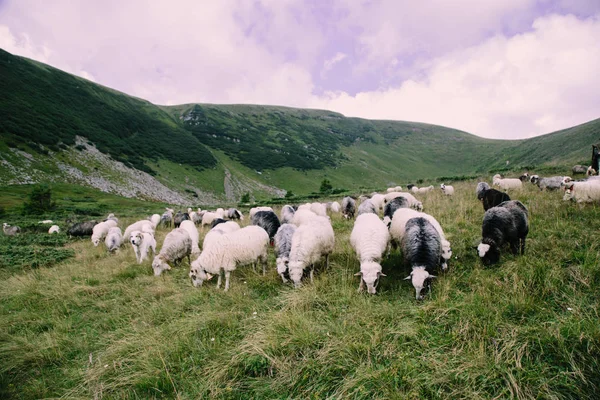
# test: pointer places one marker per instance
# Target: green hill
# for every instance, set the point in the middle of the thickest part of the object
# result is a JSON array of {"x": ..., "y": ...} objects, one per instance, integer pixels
[{"x": 58, "y": 127}]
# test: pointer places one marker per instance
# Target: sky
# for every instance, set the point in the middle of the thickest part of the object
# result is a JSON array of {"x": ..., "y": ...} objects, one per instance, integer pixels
[{"x": 501, "y": 69}]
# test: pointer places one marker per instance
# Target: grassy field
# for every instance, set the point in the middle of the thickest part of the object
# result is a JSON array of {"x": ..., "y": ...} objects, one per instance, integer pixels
[{"x": 101, "y": 326}]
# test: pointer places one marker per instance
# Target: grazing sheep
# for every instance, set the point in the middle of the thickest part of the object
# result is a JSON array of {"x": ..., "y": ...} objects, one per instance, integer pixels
[
  {"x": 142, "y": 225},
  {"x": 370, "y": 239},
  {"x": 507, "y": 183},
  {"x": 287, "y": 214},
  {"x": 234, "y": 213},
  {"x": 348, "y": 207},
  {"x": 214, "y": 233},
  {"x": 480, "y": 190},
  {"x": 412, "y": 201},
  {"x": 422, "y": 250},
  {"x": 241, "y": 247},
  {"x": 582, "y": 192},
  {"x": 447, "y": 189},
  {"x": 54, "y": 229},
  {"x": 208, "y": 217},
  {"x": 303, "y": 216},
  {"x": 398, "y": 230},
  {"x": 113, "y": 239},
  {"x": 335, "y": 207},
  {"x": 217, "y": 222},
  {"x": 154, "y": 220},
  {"x": 194, "y": 236},
  {"x": 367, "y": 206},
  {"x": 391, "y": 189},
  {"x": 82, "y": 229},
  {"x": 179, "y": 218},
  {"x": 100, "y": 230},
  {"x": 505, "y": 224},
  {"x": 409, "y": 186},
  {"x": 141, "y": 243},
  {"x": 579, "y": 169},
  {"x": 46, "y": 221},
  {"x": 378, "y": 201},
  {"x": 319, "y": 209},
  {"x": 524, "y": 177},
  {"x": 534, "y": 179},
  {"x": 492, "y": 198},
  {"x": 424, "y": 190},
  {"x": 176, "y": 246},
  {"x": 551, "y": 183},
  {"x": 590, "y": 171},
  {"x": 283, "y": 246},
  {"x": 391, "y": 207},
  {"x": 10, "y": 230},
  {"x": 197, "y": 217},
  {"x": 310, "y": 242},
  {"x": 414, "y": 189},
  {"x": 398, "y": 189},
  {"x": 363, "y": 198},
  {"x": 254, "y": 210},
  {"x": 166, "y": 219},
  {"x": 268, "y": 221}
]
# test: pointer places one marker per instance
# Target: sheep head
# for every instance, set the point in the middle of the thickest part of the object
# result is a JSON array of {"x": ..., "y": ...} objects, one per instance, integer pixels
[
  {"x": 159, "y": 264},
  {"x": 419, "y": 278},
  {"x": 371, "y": 275},
  {"x": 488, "y": 251}
]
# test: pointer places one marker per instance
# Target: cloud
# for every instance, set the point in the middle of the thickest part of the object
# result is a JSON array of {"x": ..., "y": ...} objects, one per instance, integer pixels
[{"x": 331, "y": 62}]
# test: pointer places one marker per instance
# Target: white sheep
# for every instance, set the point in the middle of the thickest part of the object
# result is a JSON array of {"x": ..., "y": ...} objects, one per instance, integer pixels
[
  {"x": 113, "y": 239},
  {"x": 209, "y": 217},
  {"x": 310, "y": 242},
  {"x": 303, "y": 216},
  {"x": 447, "y": 189},
  {"x": 370, "y": 239},
  {"x": 176, "y": 246},
  {"x": 46, "y": 221},
  {"x": 582, "y": 192},
  {"x": 54, "y": 229},
  {"x": 507, "y": 183},
  {"x": 244, "y": 246},
  {"x": 287, "y": 214},
  {"x": 225, "y": 227},
  {"x": 398, "y": 228},
  {"x": 141, "y": 243},
  {"x": 100, "y": 230},
  {"x": 193, "y": 232},
  {"x": 319, "y": 209},
  {"x": 335, "y": 207},
  {"x": 398, "y": 188},
  {"x": 254, "y": 210},
  {"x": 424, "y": 190},
  {"x": 378, "y": 201},
  {"x": 154, "y": 220}
]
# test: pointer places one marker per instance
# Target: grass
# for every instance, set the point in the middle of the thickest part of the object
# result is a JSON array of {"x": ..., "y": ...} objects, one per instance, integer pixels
[{"x": 101, "y": 326}]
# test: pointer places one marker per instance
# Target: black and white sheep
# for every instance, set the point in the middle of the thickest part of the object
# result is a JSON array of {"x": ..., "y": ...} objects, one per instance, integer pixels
[
  {"x": 217, "y": 221},
  {"x": 10, "y": 230},
  {"x": 391, "y": 207},
  {"x": 447, "y": 189},
  {"x": 268, "y": 221},
  {"x": 179, "y": 218},
  {"x": 283, "y": 246},
  {"x": 287, "y": 214},
  {"x": 367, "y": 207},
  {"x": 506, "y": 223},
  {"x": 234, "y": 213},
  {"x": 480, "y": 189},
  {"x": 348, "y": 207}
]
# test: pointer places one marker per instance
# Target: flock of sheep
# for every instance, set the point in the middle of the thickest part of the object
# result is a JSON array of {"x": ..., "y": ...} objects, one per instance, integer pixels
[{"x": 303, "y": 235}]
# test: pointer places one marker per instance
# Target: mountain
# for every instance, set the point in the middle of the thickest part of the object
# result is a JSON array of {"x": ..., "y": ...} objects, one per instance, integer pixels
[{"x": 58, "y": 127}]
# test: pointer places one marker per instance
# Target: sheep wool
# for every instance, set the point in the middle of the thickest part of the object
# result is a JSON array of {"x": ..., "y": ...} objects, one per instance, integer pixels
[
  {"x": 287, "y": 214},
  {"x": 113, "y": 239},
  {"x": 447, "y": 189},
  {"x": 370, "y": 239},
  {"x": 194, "y": 236},
  {"x": 507, "y": 183},
  {"x": 54, "y": 229},
  {"x": 283, "y": 246},
  {"x": 176, "y": 246},
  {"x": 100, "y": 230},
  {"x": 582, "y": 192}
]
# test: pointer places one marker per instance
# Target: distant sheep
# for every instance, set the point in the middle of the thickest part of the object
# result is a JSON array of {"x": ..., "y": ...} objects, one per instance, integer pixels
[
  {"x": 167, "y": 218},
  {"x": 191, "y": 229},
  {"x": 10, "y": 230},
  {"x": 234, "y": 213},
  {"x": 310, "y": 242},
  {"x": 254, "y": 210},
  {"x": 391, "y": 189},
  {"x": 348, "y": 207},
  {"x": 241, "y": 247},
  {"x": 579, "y": 169},
  {"x": 378, "y": 201},
  {"x": 409, "y": 186},
  {"x": 287, "y": 214},
  {"x": 179, "y": 218},
  {"x": 424, "y": 190},
  {"x": 392, "y": 206},
  {"x": 422, "y": 250},
  {"x": 112, "y": 217},
  {"x": 534, "y": 179},
  {"x": 370, "y": 239},
  {"x": 507, "y": 183},
  {"x": 113, "y": 239},
  {"x": 100, "y": 231},
  {"x": 208, "y": 217},
  {"x": 54, "y": 229},
  {"x": 582, "y": 192},
  {"x": 176, "y": 246},
  {"x": 141, "y": 243},
  {"x": 447, "y": 189},
  {"x": 590, "y": 171},
  {"x": 412, "y": 201},
  {"x": 283, "y": 246},
  {"x": 367, "y": 207},
  {"x": 524, "y": 177},
  {"x": 505, "y": 224},
  {"x": 335, "y": 207},
  {"x": 551, "y": 183},
  {"x": 398, "y": 189},
  {"x": 480, "y": 190},
  {"x": 81, "y": 229},
  {"x": 268, "y": 221},
  {"x": 46, "y": 221}
]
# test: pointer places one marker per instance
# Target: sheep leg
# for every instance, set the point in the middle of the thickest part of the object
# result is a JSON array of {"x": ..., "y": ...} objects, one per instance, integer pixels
[
  {"x": 326, "y": 261},
  {"x": 312, "y": 273},
  {"x": 514, "y": 247},
  {"x": 361, "y": 285},
  {"x": 522, "y": 246},
  {"x": 227, "y": 275},
  {"x": 264, "y": 265},
  {"x": 219, "y": 280}
]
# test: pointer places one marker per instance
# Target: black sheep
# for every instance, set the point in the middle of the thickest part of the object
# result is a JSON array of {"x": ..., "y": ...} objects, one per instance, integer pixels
[
  {"x": 492, "y": 198},
  {"x": 179, "y": 218},
  {"x": 391, "y": 207},
  {"x": 82, "y": 228},
  {"x": 506, "y": 223},
  {"x": 268, "y": 221}
]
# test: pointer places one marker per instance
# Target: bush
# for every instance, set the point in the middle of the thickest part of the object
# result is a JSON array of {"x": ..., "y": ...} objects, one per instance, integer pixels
[
  {"x": 40, "y": 200},
  {"x": 325, "y": 186},
  {"x": 245, "y": 198}
]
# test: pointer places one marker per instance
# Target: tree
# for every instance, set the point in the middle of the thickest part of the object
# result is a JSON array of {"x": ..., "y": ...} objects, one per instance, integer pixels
[
  {"x": 245, "y": 198},
  {"x": 289, "y": 194},
  {"x": 325, "y": 186},
  {"x": 39, "y": 200}
]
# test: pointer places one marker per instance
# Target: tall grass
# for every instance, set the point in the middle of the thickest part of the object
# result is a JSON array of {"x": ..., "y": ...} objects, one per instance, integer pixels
[{"x": 101, "y": 326}]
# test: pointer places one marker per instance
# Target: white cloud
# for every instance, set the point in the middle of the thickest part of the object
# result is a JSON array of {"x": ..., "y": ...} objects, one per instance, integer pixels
[{"x": 331, "y": 62}]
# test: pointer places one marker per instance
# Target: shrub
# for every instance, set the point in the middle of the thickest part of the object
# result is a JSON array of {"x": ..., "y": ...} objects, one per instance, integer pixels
[
  {"x": 325, "y": 186},
  {"x": 245, "y": 198},
  {"x": 40, "y": 200}
]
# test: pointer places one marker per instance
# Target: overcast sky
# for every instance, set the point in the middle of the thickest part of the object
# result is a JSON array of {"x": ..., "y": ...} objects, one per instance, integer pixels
[{"x": 494, "y": 68}]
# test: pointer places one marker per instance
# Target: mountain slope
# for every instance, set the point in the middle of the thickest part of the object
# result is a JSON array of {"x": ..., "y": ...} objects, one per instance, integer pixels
[{"x": 58, "y": 127}]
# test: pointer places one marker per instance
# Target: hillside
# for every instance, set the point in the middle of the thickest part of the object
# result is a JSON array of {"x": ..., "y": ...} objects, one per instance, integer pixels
[{"x": 57, "y": 127}]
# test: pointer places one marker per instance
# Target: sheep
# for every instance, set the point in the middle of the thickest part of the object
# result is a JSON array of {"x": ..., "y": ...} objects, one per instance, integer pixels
[
  {"x": 268, "y": 221},
  {"x": 378, "y": 201},
  {"x": 234, "y": 213},
  {"x": 155, "y": 220},
  {"x": 363, "y": 198},
  {"x": 10, "y": 230},
  {"x": 424, "y": 189},
  {"x": 524, "y": 177},
  {"x": 391, "y": 189},
  {"x": 492, "y": 198},
  {"x": 367, "y": 207},
  {"x": 398, "y": 189},
  {"x": 590, "y": 171},
  {"x": 112, "y": 217},
  {"x": 534, "y": 179},
  {"x": 100, "y": 230},
  {"x": 579, "y": 169},
  {"x": 167, "y": 218},
  {"x": 447, "y": 189},
  {"x": 193, "y": 232},
  {"x": 54, "y": 229},
  {"x": 506, "y": 183},
  {"x": 82, "y": 228},
  {"x": 254, "y": 210},
  {"x": 414, "y": 189},
  {"x": 422, "y": 249},
  {"x": 391, "y": 207},
  {"x": 303, "y": 216},
  {"x": 551, "y": 183},
  {"x": 310, "y": 242},
  {"x": 480, "y": 190},
  {"x": 412, "y": 201},
  {"x": 196, "y": 217},
  {"x": 506, "y": 223},
  {"x": 348, "y": 207},
  {"x": 141, "y": 225},
  {"x": 244, "y": 246},
  {"x": 287, "y": 214},
  {"x": 141, "y": 243},
  {"x": 193, "y": 215},
  {"x": 179, "y": 218},
  {"x": 335, "y": 207},
  {"x": 398, "y": 229},
  {"x": 209, "y": 217},
  {"x": 226, "y": 227},
  {"x": 216, "y": 222},
  {"x": 283, "y": 246},
  {"x": 319, "y": 209},
  {"x": 582, "y": 192},
  {"x": 113, "y": 239},
  {"x": 370, "y": 239},
  {"x": 46, "y": 221},
  {"x": 176, "y": 246}
]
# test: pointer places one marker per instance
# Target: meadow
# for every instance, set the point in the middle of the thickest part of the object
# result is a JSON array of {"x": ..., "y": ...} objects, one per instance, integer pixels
[{"x": 96, "y": 325}]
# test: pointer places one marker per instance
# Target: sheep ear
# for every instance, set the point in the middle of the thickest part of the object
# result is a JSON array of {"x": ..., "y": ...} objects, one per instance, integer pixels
[
  {"x": 432, "y": 276},
  {"x": 208, "y": 276},
  {"x": 382, "y": 274},
  {"x": 358, "y": 274},
  {"x": 407, "y": 278}
]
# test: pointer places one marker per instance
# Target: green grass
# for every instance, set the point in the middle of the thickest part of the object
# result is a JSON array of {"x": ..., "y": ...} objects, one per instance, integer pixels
[{"x": 101, "y": 326}]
